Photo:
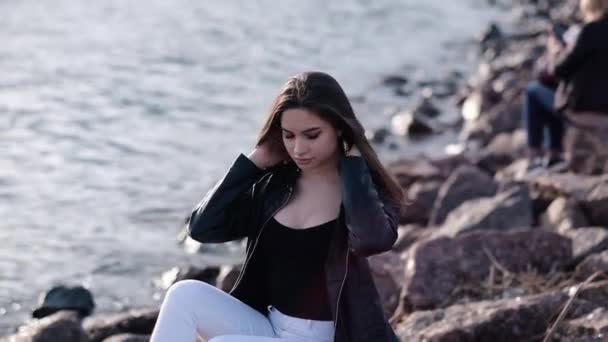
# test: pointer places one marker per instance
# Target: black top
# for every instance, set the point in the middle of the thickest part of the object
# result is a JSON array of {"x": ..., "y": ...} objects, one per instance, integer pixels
[
  {"x": 295, "y": 271},
  {"x": 583, "y": 71}
]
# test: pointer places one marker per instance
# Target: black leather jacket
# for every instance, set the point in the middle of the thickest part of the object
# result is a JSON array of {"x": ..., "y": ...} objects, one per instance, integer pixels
[
  {"x": 583, "y": 71},
  {"x": 245, "y": 199}
]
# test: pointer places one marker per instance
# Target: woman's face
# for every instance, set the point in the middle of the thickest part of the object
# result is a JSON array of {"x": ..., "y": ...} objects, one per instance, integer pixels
[
  {"x": 589, "y": 11},
  {"x": 309, "y": 140}
]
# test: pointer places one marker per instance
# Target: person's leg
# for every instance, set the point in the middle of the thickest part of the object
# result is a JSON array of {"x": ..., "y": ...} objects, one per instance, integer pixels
[
  {"x": 533, "y": 113},
  {"x": 193, "y": 307},
  {"x": 544, "y": 98}
]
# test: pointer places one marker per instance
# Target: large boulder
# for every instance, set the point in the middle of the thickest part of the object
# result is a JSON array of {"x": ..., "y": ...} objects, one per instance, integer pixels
[
  {"x": 407, "y": 172},
  {"x": 578, "y": 187},
  {"x": 62, "y": 326},
  {"x": 586, "y": 241},
  {"x": 466, "y": 182},
  {"x": 410, "y": 234},
  {"x": 587, "y": 151},
  {"x": 420, "y": 200},
  {"x": 595, "y": 205},
  {"x": 523, "y": 318},
  {"x": 503, "y": 118},
  {"x": 592, "y": 327},
  {"x": 436, "y": 268},
  {"x": 563, "y": 214},
  {"x": 206, "y": 274},
  {"x": 139, "y": 321},
  {"x": 509, "y": 320},
  {"x": 591, "y": 192},
  {"x": 411, "y": 123},
  {"x": 593, "y": 263},
  {"x": 128, "y": 338},
  {"x": 387, "y": 270},
  {"x": 502, "y": 151},
  {"x": 509, "y": 209}
]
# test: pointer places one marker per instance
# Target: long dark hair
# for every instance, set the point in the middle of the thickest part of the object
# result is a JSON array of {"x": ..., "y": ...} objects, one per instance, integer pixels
[{"x": 323, "y": 95}]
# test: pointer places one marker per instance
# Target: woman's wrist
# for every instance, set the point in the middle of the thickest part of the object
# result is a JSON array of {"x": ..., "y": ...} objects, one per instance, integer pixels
[{"x": 255, "y": 157}]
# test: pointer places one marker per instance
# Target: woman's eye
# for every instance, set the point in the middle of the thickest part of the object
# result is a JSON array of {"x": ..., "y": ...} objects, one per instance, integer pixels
[
  {"x": 312, "y": 137},
  {"x": 288, "y": 137}
]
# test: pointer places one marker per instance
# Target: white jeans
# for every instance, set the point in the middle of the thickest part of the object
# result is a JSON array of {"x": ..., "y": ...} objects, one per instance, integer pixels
[{"x": 194, "y": 309}]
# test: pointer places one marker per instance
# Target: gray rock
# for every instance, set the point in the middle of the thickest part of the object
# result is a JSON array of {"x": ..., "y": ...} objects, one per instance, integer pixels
[
  {"x": 593, "y": 263},
  {"x": 207, "y": 274},
  {"x": 420, "y": 197},
  {"x": 563, "y": 214},
  {"x": 410, "y": 123},
  {"x": 590, "y": 191},
  {"x": 596, "y": 205},
  {"x": 128, "y": 338},
  {"x": 521, "y": 319},
  {"x": 425, "y": 107},
  {"x": 507, "y": 210},
  {"x": 592, "y": 325},
  {"x": 410, "y": 234},
  {"x": 380, "y": 135},
  {"x": 407, "y": 172},
  {"x": 64, "y": 297},
  {"x": 586, "y": 151},
  {"x": 394, "y": 81},
  {"x": 502, "y": 151},
  {"x": 578, "y": 187},
  {"x": 502, "y": 118},
  {"x": 387, "y": 271},
  {"x": 587, "y": 241},
  {"x": 140, "y": 321},
  {"x": 435, "y": 268},
  {"x": 228, "y": 276},
  {"x": 64, "y": 326},
  {"x": 465, "y": 183}
]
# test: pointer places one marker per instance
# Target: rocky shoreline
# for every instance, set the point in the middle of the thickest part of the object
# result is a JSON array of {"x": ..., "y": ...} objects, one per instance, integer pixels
[{"x": 485, "y": 251}]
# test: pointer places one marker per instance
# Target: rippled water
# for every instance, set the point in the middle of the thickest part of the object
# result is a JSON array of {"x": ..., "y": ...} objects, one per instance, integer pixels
[{"x": 115, "y": 117}]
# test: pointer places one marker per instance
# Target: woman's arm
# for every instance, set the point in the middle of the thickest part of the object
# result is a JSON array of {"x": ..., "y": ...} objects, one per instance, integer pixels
[
  {"x": 371, "y": 223},
  {"x": 225, "y": 211},
  {"x": 570, "y": 59}
]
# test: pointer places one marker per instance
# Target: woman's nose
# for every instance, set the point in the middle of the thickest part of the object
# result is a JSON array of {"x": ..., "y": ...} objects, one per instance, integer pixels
[{"x": 299, "y": 147}]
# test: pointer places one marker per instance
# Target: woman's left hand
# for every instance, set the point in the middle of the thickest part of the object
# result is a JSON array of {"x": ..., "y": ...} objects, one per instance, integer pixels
[{"x": 554, "y": 46}]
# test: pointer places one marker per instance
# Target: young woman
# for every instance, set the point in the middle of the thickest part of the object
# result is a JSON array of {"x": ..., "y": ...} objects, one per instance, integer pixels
[{"x": 313, "y": 201}]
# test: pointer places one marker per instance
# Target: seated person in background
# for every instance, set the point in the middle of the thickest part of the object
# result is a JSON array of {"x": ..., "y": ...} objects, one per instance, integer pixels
[
  {"x": 582, "y": 69},
  {"x": 577, "y": 60},
  {"x": 540, "y": 117}
]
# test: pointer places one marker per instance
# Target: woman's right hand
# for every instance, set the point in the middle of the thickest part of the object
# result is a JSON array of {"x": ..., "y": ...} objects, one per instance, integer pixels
[{"x": 266, "y": 155}]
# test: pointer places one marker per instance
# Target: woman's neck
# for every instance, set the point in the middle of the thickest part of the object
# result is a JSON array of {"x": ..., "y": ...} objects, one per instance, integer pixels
[{"x": 327, "y": 173}]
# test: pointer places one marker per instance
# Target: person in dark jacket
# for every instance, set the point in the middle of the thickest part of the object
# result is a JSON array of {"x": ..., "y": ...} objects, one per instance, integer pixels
[
  {"x": 578, "y": 68},
  {"x": 313, "y": 201},
  {"x": 582, "y": 67}
]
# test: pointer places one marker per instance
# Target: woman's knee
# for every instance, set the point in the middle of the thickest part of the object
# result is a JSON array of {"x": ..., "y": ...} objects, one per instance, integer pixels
[{"x": 186, "y": 290}]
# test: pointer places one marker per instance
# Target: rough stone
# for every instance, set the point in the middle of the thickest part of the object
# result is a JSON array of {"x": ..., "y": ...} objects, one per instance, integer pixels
[
  {"x": 435, "y": 268},
  {"x": 465, "y": 183}
]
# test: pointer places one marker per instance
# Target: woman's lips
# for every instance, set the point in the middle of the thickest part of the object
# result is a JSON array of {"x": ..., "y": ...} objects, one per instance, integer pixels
[{"x": 302, "y": 161}]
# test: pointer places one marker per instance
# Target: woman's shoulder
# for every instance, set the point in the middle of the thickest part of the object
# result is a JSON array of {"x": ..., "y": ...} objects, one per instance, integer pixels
[
  {"x": 280, "y": 174},
  {"x": 597, "y": 29}
]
